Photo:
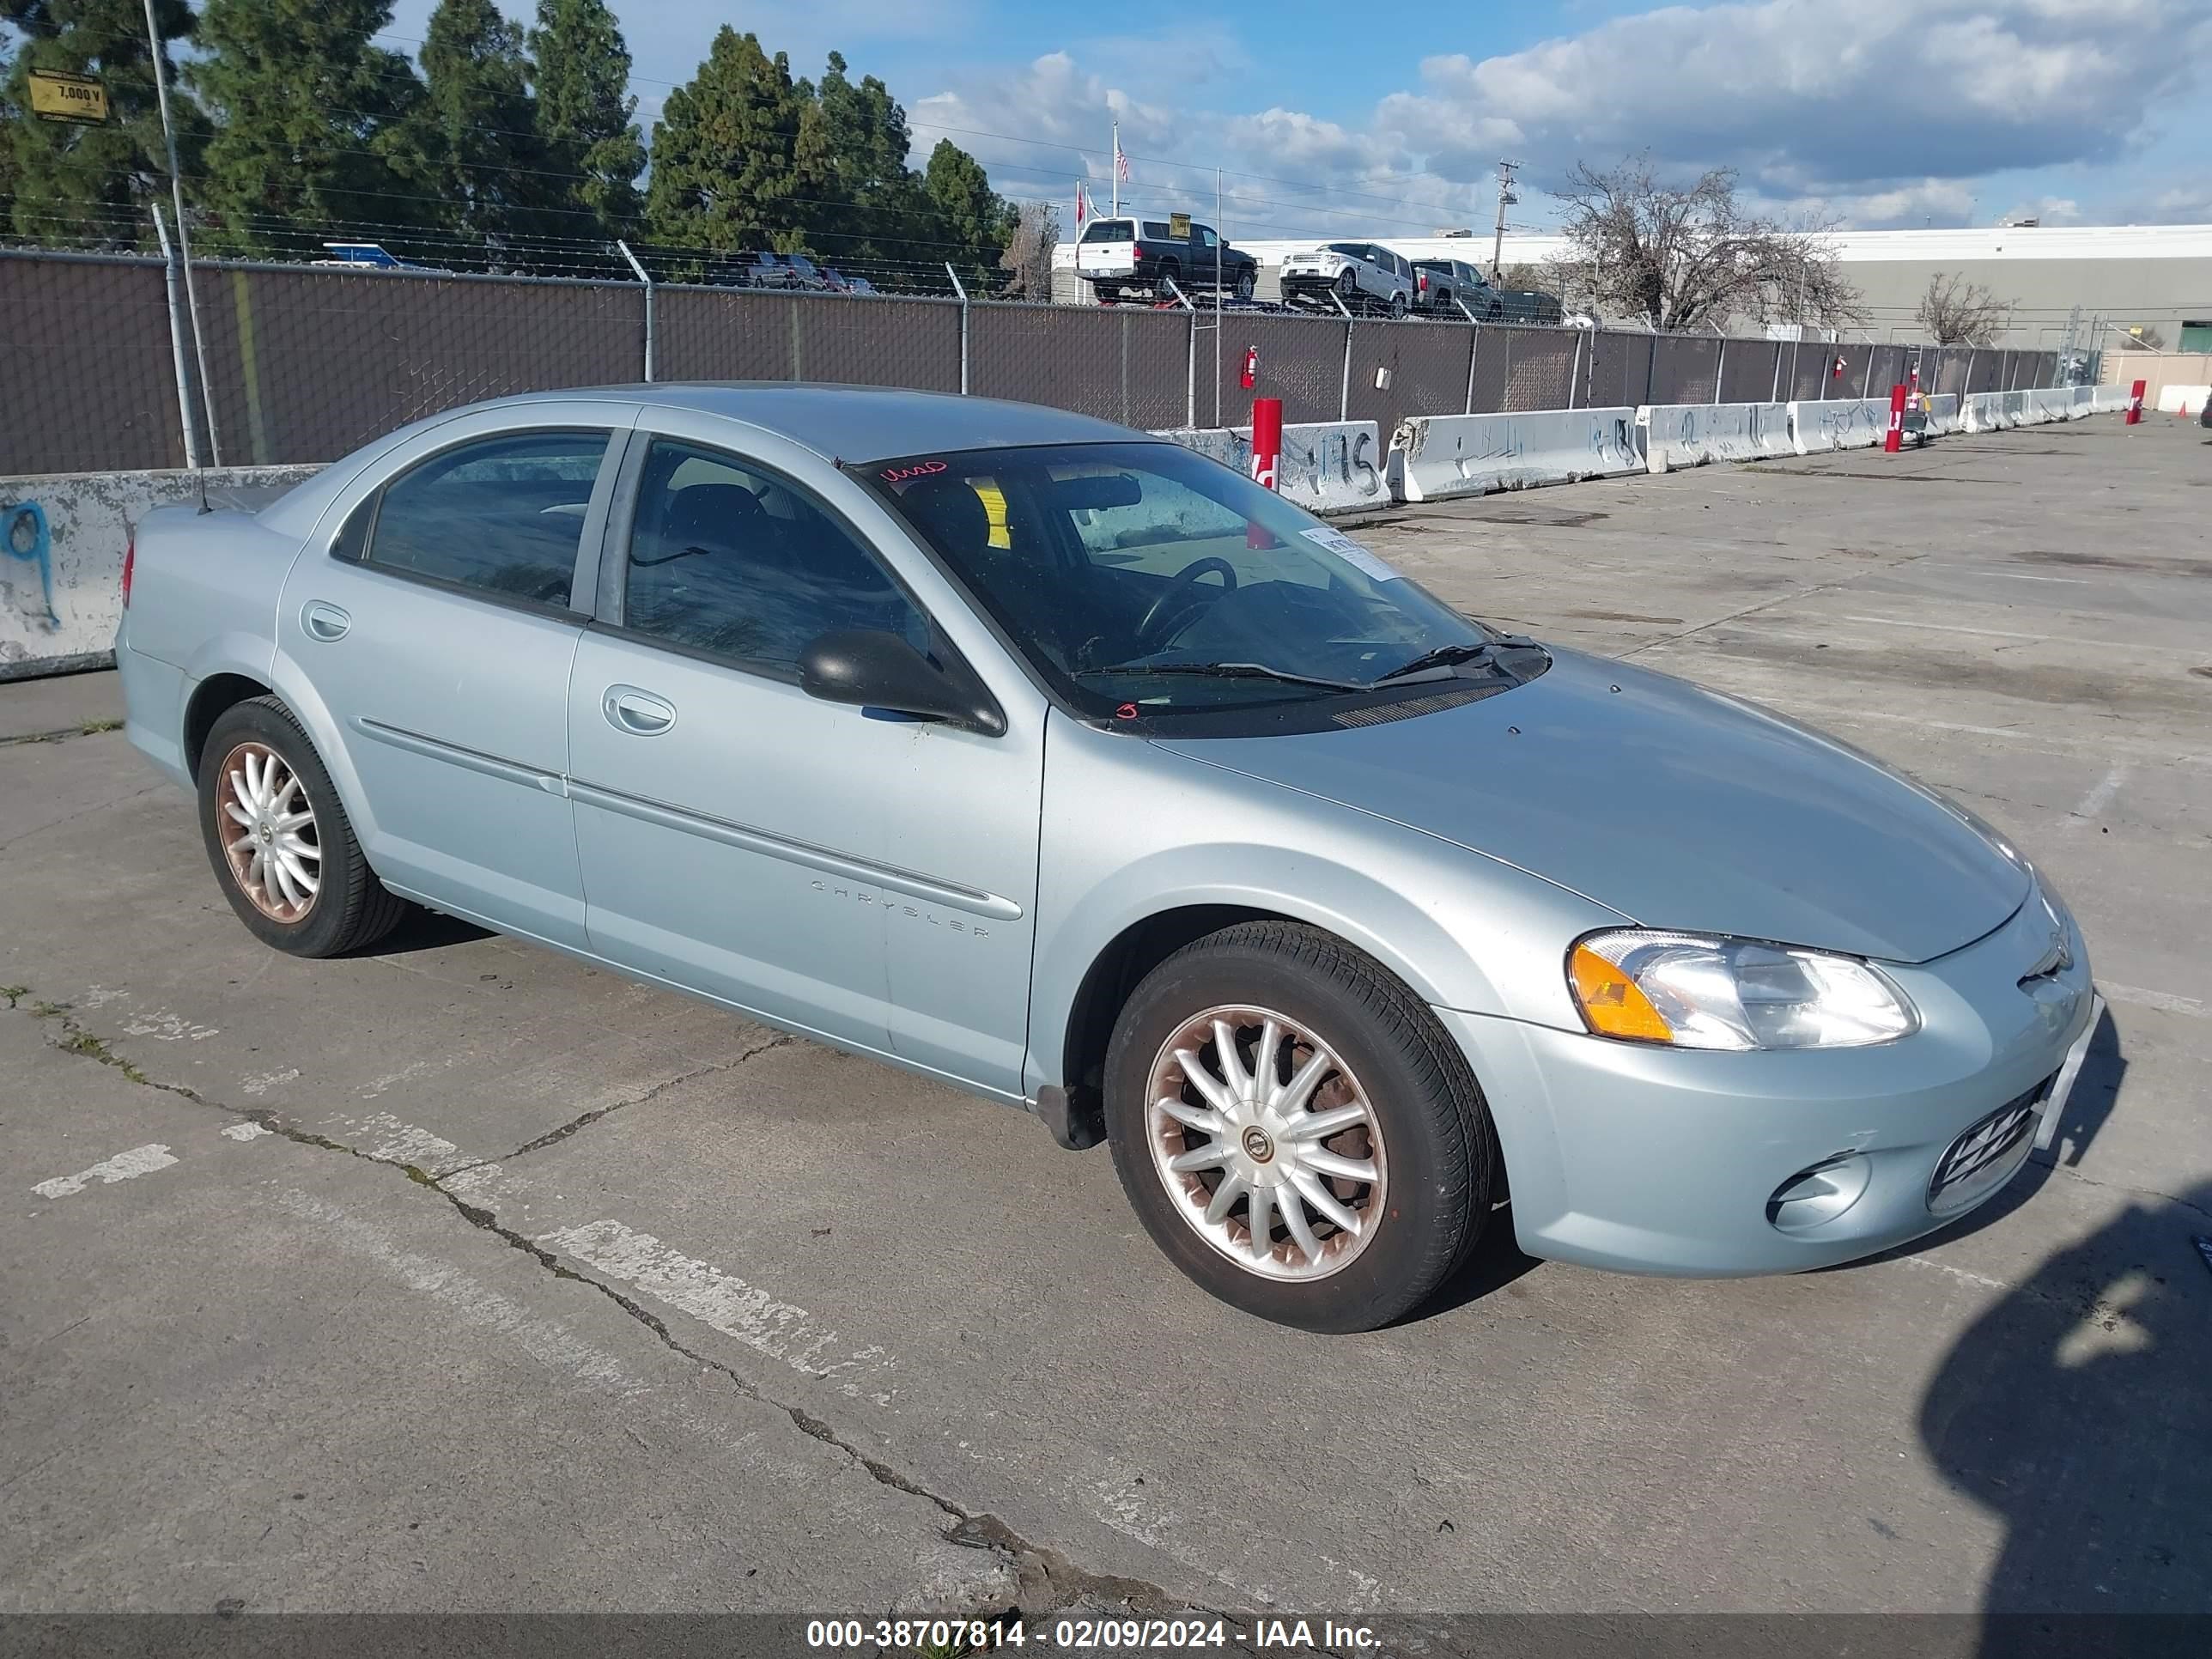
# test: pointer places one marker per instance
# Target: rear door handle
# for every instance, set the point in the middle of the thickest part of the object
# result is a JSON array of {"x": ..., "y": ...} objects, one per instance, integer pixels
[
  {"x": 638, "y": 713},
  {"x": 324, "y": 621}
]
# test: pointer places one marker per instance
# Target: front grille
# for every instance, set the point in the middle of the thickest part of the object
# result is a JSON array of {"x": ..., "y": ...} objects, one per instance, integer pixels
[{"x": 1983, "y": 1158}]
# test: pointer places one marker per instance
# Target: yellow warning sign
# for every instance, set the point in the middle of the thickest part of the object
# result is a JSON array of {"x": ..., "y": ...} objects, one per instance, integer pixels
[{"x": 56, "y": 96}]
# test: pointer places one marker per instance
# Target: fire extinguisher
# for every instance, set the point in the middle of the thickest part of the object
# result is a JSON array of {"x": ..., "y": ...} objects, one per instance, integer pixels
[
  {"x": 1251, "y": 374},
  {"x": 1840, "y": 366}
]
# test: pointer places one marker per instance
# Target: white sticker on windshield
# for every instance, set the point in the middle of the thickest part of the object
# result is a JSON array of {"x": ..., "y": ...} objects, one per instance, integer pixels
[{"x": 1352, "y": 553}]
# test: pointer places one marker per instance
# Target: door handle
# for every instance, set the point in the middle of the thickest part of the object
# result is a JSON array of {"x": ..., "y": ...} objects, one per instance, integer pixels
[
  {"x": 638, "y": 713},
  {"x": 324, "y": 621}
]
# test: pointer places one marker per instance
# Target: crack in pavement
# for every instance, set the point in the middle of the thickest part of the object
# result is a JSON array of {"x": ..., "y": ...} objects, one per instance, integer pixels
[
  {"x": 1050, "y": 1579},
  {"x": 87, "y": 729},
  {"x": 589, "y": 1118}
]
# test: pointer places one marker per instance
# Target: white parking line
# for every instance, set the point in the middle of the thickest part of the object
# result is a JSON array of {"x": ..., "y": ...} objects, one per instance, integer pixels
[
  {"x": 123, "y": 1166},
  {"x": 2165, "y": 1001},
  {"x": 2009, "y": 634},
  {"x": 2099, "y": 798},
  {"x": 245, "y": 1131},
  {"x": 722, "y": 1301},
  {"x": 401, "y": 1142}
]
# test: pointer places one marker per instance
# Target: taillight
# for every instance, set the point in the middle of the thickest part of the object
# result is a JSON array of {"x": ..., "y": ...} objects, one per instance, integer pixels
[
  {"x": 129, "y": 559},
  {"x": 1137, "y": 251},
  {"x": 1425, "y": 282}
]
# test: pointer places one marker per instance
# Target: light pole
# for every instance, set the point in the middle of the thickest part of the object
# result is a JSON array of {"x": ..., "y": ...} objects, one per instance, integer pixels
[{"x": 184, "y": 236}]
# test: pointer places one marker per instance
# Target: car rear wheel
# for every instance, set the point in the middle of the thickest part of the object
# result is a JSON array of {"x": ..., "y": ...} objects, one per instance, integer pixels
[
  {"x": 284, "y": 850},
  {"x": 1295, "y": 1129},
  {"x": 1397, "y": 305},
  {"x": 1164, "y": 284}
]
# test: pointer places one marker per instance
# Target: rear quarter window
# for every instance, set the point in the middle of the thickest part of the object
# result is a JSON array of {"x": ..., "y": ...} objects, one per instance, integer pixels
[{"x": 1107, "y": 230}]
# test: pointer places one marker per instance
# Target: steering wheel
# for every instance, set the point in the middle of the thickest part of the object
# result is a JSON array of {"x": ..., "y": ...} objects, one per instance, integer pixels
[{"x": 1175, "y": 597}]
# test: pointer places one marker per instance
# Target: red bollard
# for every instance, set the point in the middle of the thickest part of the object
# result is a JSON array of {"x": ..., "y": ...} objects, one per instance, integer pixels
[
  {"x": 1895, "y": 440},
  {"x": 2135, "y": 403},
  {"x": 1267, "y": 439},
  {"x": 1267, "y": 455}
]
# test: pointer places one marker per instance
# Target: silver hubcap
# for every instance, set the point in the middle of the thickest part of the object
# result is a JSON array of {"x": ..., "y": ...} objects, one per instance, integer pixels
[
  {"x": 1266, "y": 1143},
  {"x": 268, "y": 831}
]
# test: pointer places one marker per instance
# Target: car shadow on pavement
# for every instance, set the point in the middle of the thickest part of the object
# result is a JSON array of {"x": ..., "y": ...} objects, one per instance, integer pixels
[
  {"x": 1495, "y": 1261},
  {"x": 425, "y": 930},
  {"x": 2078, "y": 1411}
]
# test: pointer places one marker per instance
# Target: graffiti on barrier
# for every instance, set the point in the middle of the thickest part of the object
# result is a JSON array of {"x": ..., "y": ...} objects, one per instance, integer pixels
[
  {"x": 1347, "y": 455},
  {"x": 25, "y": 539}
]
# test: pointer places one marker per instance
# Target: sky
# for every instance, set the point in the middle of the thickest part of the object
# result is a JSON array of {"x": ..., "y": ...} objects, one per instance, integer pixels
[{"x": 1869, "y": 113}]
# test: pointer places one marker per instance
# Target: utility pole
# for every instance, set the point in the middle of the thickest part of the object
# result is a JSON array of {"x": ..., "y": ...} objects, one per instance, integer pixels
[
  {"x": 184, "y": 238},
  {"x": 1117, "y": 170},
  {"x": 1506, "y": 198}
]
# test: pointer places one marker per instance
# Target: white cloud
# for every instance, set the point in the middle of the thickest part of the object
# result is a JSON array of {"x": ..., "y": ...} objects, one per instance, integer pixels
[{"x": 1872, "y": 112}]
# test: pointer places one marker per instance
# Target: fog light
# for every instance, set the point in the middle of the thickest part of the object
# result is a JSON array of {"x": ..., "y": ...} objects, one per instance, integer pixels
[{"x": 1814, "y": 1197}]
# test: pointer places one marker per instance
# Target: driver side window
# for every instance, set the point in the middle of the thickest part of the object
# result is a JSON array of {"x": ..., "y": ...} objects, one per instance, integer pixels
[{"x": 731, "y": 561}]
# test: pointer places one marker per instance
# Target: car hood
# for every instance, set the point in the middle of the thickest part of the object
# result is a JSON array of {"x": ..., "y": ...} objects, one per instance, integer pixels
[{"x": 1678, "y": 807}]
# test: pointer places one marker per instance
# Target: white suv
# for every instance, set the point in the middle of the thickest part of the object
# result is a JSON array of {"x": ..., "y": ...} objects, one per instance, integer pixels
[{"x": 1363, "y": 275}]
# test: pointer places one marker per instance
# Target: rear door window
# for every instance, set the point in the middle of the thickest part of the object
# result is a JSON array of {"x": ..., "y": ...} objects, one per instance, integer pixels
[
  {"x": 1156, "y": 231},
  {"x": 503, "y": 515}
]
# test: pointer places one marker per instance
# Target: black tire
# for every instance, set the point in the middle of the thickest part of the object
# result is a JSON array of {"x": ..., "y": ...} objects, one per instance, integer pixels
[
  {"x": 1169, "y": 272},
  {"x": 1397, "y": 307},
  {"x": 1246, "y": 281},
  {"x": 350, "y": 908},
  {"x": 1347, "y": 285},
  {"x": 1435, "y": 1125},
  {"x": 1107, "y": 294}
]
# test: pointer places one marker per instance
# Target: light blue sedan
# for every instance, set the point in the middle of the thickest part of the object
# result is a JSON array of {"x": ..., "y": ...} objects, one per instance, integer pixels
[{"x": 1054, "y": 762}]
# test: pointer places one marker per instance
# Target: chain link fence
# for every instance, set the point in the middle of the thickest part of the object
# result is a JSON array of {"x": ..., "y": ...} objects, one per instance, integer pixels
[{"x": 305, "y": 364}]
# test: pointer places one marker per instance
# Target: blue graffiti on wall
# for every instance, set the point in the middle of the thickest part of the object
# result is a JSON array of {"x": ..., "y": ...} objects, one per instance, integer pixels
[{"x": 23, "y": 536}]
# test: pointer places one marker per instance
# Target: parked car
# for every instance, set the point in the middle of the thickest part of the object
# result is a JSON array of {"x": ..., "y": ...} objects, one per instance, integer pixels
[
  {"x": 837, "y": 283},
  {"x": 372, "y": 256},
  {"x": 1533, "y": 305},
  {"x": 738, "y": 689},
  {"x": 761, "y": 270},
  {"x": 1444, "y": 285},
  {"x": 1115, "y": 255},
  {"x": 1363, "y": 275}
]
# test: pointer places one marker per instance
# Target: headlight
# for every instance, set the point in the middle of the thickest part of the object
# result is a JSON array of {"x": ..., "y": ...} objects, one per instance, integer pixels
[{"x": 1695, "y": 991}]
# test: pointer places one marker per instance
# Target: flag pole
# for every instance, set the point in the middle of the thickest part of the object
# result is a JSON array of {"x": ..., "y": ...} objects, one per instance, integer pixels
[{"x": 1117, "y": 171}]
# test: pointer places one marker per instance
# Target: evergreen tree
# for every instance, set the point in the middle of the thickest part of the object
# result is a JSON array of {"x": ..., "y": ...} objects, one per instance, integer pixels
[
  {"x": 739, "y": 158},
  {"x": 975, "y": 222},
  {"x": 83, "y": 183},
  {"x": 873, "y": 209},
  {"x": 584, "y": 110},
  {"x": 491, "y": 167},
  {"x": 319, "y": 133}
]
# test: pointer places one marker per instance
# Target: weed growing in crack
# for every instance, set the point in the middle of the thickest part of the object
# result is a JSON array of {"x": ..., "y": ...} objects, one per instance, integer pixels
[{"x": 15, "y": 993}]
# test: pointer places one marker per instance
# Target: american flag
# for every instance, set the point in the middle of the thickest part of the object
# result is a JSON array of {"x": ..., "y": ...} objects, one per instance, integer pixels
[
  {"x": 1120, "y": 164},
  {"x": 1082, "y": 203}
]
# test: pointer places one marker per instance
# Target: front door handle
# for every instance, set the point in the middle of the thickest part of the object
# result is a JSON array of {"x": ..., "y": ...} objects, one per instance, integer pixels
[
  {"x": 638, "y": 713},
  {"x": 324, "y": 621}
]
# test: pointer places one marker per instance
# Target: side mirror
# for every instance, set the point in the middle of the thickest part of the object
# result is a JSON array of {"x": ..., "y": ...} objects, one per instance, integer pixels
[{"x": 880, "y": 671}]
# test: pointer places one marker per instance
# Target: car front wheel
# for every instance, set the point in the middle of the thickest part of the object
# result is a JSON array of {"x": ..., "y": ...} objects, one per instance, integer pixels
[
  {"x": 1295, "y": 1129},
  {"x": 1245, "y": 283},
  {"x": 284, "y": 850}
]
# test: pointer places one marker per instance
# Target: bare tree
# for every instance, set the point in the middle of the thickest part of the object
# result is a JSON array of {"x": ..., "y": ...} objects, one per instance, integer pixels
[
  {"x": 1028, "y": 257},
  {"x": 1675, "y": 258},
  {"x": 1960, "y": 312}
]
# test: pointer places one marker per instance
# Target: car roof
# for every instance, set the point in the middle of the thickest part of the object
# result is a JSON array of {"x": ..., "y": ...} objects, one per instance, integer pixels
[{"x": 858, "y": 422}]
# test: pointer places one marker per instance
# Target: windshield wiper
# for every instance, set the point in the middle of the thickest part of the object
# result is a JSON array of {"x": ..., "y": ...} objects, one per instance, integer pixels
[
  {"x": 1226, "y": 670},
  {"x": 1445, "y": 656}
]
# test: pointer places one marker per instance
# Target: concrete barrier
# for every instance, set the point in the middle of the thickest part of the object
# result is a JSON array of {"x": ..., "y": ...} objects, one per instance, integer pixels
[
  {"x": 2182, "y": 399},
  {"x": 61, "y": 540},
  {"x": 1691, "y": 434},
  {"x": 1436, "y": 456},
  {"x": 1838, "y": 423},
  {"x": 2109, "y": 400},
  {"x": 1332, "y": 467},
  {"x": 2014, "y": 408},
  {"x": 1943, "y": 412},
  {"x": 2085, "y": 401},
  {"x": 1982, "y": 411}
]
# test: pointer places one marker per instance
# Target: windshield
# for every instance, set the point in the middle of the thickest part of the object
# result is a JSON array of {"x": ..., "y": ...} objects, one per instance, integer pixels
[{"x": 1143, "y": 579}]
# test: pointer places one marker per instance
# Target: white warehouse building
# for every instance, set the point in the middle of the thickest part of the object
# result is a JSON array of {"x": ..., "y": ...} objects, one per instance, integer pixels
[{"x": 2147, "y": 284}]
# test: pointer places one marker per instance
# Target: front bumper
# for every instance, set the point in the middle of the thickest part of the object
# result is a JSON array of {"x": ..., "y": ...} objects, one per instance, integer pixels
[{"x": 1658, "y": 1160}]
